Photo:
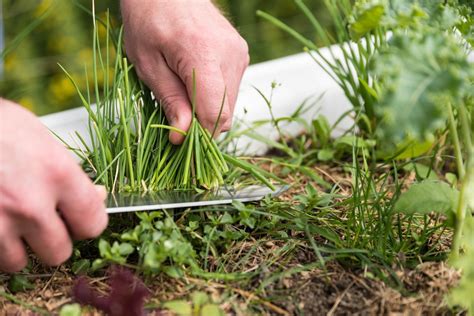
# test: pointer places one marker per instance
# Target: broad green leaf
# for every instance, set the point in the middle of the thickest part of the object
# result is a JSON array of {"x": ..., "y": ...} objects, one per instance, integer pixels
[
  {"x": 326, "y": 154},
  {"x": 98, "y": 264},
  {"x": 326, "y": 233},
  {"x": 226, "y": 219},
  {"x": 104, "y": 247},
  {"x": 420, "y": 74},
  {"x": 180, "y": 307},
  {"x": 428, "y": 196},
  {"x": 199, "y": 298},
  {"x": 451, "y": 178},
  {"x": 173, "y": 271},
  {"x": 126, "y": 249},
  {"x": 368, "y": 18},
  {"x": 413, "y": 149},
  {"x": 249, "y": 222},
  {"x": 70, "y": 310},
  {"x": 422, "y": 171},
  {"x": 211, "y": 310}
]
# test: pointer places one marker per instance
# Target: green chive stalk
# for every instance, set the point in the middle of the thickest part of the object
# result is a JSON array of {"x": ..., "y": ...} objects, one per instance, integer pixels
[{"x": 130, "y": 148}]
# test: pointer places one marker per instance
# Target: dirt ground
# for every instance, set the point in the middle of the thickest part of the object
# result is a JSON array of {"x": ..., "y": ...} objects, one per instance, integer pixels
[{"x": 335, "y": 291}]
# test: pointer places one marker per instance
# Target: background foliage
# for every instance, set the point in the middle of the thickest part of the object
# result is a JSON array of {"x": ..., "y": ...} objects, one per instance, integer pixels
[{"x": 63, "y": 35}]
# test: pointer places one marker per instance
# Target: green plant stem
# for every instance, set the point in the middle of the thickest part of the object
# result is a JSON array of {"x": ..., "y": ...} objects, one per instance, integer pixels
[
  {"x": 461, "y": 211},
  {"x": 466, "y": 180},
  {"x": 171, "y": 128},
  {"x": 126, "y": 138},
  {"x": 23, "y": 304},
  {"x": 455, "y": 139}
]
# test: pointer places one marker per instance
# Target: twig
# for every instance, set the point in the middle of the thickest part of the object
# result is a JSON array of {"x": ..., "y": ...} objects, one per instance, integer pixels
[
  {"x": 338, "y": 300},
  {"x": 254, "y": 297},
  {"x": 50, "y": 280}
]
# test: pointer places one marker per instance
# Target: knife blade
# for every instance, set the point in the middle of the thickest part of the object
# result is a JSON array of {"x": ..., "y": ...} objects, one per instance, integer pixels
[{"x": 149, "y": 201}]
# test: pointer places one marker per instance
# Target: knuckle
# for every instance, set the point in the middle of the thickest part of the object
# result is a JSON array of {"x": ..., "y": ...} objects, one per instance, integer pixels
[
  {"x": 187, "y": 63},
  {"x": 191, "y": 34},
  {"x": 140, "y": 67},
  {"x": 169, "y": 99},
  {"x": 10, "y": 200},
  {"x": 186, "y": 72},
  {"x": 27, "y": 211},
  {"x": 225, "y": 116},
  {"x": 60, "y": 169},
  {"x": 224, "y": 120},
  {"x": 243, "y": 45}
]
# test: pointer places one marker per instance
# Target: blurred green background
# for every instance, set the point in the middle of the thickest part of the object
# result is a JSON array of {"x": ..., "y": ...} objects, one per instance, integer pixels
[{"x": 63, "y": 34}]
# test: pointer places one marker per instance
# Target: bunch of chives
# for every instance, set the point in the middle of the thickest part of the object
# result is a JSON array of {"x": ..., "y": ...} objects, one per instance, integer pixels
[{"x": 130, "y": 149}]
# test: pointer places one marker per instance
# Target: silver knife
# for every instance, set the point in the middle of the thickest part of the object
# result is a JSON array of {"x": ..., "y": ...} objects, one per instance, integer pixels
[{"x": 160, "y": 200}]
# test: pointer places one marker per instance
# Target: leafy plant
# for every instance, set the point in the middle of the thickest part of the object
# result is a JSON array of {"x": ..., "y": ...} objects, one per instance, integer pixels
[
  {"x": 426, "y": 84},
  {"x": 419, "y": 198},
  {"x": 201, "y": 306},
  {"x": 159, "y": 244},
  {"x": 19, "y": 283},
  {"x": 127, "y": 294}
]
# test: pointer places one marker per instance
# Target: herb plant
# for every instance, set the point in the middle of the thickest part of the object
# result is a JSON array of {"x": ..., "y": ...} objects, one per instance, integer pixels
[
  {"x": 404, "y": 67},
  {"x": 130, "y": 149},
  {"x": 349, "y": 64}
]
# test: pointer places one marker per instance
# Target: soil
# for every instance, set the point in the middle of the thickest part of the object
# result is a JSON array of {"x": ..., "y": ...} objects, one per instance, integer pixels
[{"x": 334, "y": 291}]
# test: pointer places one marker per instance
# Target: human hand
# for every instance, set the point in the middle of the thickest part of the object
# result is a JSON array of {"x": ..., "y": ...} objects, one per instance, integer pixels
[
  {"x": 166, "y": 40},
  {"x": 45, "y": 198}
]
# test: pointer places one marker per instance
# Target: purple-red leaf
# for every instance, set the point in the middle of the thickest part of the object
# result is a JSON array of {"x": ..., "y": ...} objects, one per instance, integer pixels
[{"x": 127, "y": 294}]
